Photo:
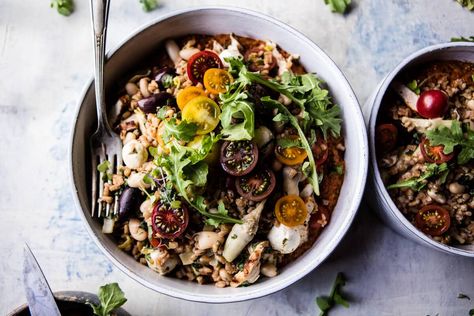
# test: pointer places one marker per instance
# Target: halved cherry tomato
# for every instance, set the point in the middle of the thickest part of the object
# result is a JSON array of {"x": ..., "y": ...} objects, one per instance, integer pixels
[
  {"x": 212, "y": 157},
  {"x": 239, "y": 158},
  {"x": 259, "y": 59},
  {"x": 216, "y": 80},
  {"x": 291, "y": 210},
  {"x": 200, "y": 62},
  {"x": 257, "y": 185},
  {"x": 155, "y": 242},
  {"x": 168, "y": 222},
  {"x": 386, "y": 136},
  {"x": 187, "y": 94},
  {"x": 434, "y": 154},
  {"x": 202, "y": 111},
  {"x": 320, "y": 151},
  {"x": 319, "y": 219},
  {"x": 290, "y": 156},
  {"x": 433, "y": 220}
]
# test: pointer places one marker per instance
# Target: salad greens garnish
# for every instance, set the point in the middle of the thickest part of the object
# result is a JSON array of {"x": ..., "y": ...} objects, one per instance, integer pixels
[
  {"x": 111, "y": 297},
  {"x": 149, "y": 5},
  {"x": 462, "y": 39},
  {"x": 64, "y": 7},
  {"x": 339, "y": 6},
  {"x": 463, "y": 296},
  {"x": 313, "y": 174},
  {"x": 181, "y": 131},
  {"x": 289, "y": 142},
  {"x": 187, "y": 171},
  {"x": 469, "y": 4},
  {"x": 325, "y": 303},
  {"x": 236, "y": 107},
  {"x": 419, "y": 183},
  {"x": 451, "y": 137}
]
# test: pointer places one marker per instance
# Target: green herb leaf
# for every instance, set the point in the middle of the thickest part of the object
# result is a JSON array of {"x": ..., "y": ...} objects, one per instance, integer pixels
[
  {"x": 471, "y": 312},
  {"x": 220, "y": 210},
  {"x": 111, "y": 297},
  {"x": 181, "y": 131},
  {"x": 451, "y": 137},
  {"x": 469, "y": 4},
  {"x": 104, "y": 166},
  {"x": 339, "y": 6},
  {"x": 64, "y": 7},
  {"x": 149, "y": 5},
  {"x": 153, "y": 151},
  {"x": 413, "y": 86},
  {"x": 325, "y": 303},
  {"x": 289, "y": 142},
  {"x": 462, "y": 39},
  {"x": 463, "y": 296},
  {"x": 419, "y": 183}
]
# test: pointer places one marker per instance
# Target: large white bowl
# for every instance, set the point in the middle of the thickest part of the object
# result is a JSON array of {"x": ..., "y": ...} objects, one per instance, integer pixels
[
  {"x": 380, "y": 199},
  {"x": 247, "y": 23}
]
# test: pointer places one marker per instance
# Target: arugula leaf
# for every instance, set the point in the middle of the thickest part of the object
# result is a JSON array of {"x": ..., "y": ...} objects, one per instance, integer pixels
[
  {"x": 104, "y": 166},
  {"x": 463, "y": 296},
  {"x": 111, "y": 297},
  {"x": 181, "y": 131},
  {"x": 419, "y": 183},
  {"x": 185, "y": 168},
  {"x": 469, "y": 4},
  {"x": 149, "y": 5},
  {"x": 471, "y": 312},
  {"x": 339, "y": 6},
  {"x": 313, "y": 176},
  {"x": 220, "y": 210},
  {"x": 64, "y": 7},
  {"x": 328, "y": 119},
  {"x": 289, "y": 142},
  {"x": 451, "y": 137},
  {"x": 325, "y": 303},
  {"x": 242, "y": 111},
  {"x": 462, "y": 39}
]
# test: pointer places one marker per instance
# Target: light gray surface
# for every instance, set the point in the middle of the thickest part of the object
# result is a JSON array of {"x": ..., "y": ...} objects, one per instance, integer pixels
[{"x": 45, "y": 59}]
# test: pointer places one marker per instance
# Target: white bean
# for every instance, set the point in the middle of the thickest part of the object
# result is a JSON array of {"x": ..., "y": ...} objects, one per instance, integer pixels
[
  {"x": 128, "y": 137},
  {"x": 135, "y": 180},
  {"x": 269, "y": 270},
  {"x": 131, "y": 88},
  {"x": 144, "y": 87},
  {"x": 186, "y": 53},
  {"x": 205, "y": 240},
  {"x": 136, "y": 231},
  {"x": 456, "y": 188}
]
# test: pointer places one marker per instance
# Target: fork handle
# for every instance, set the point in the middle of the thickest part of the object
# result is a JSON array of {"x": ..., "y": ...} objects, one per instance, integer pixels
[{"x": 100, "y": 15}]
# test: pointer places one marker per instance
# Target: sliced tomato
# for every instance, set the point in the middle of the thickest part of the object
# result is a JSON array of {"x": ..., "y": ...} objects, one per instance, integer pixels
[
  {"x": 168, "y": 222},
  {"x": 434, "y": 154},
  {"x": 257, "y": 185},
  {"x": 319, "y": 220},
  {"x": 239, "y": 158},
  {"x": 200, "y": 62},
  {"x": 291, "y": 210},
  {"x": 320, "y": 151},
  {"x": 187, "y": 94},
  {"x": 202, "y": 111},
  {"x": 433, "y": 220},
  {"x": 386, "y": 136},
  {"x": 290, "y": 156},
  {"x": 155, "y": 242},
  {"x": 216, "y": 80}
]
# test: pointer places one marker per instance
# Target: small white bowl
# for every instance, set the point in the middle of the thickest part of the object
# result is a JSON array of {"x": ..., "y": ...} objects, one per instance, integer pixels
[
  {"x": 213, "y": 20},
  {"x": 380, "y": 199}
]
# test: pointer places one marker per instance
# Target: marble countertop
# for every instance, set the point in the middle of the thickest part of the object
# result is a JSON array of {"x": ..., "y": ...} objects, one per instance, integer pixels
[{"x": 46, "y": 59}]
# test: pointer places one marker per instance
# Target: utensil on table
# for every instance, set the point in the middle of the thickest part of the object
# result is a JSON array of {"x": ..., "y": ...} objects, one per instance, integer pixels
[
  {"x": 104, "y": 143},
  {"x": 40, "y": 299}
]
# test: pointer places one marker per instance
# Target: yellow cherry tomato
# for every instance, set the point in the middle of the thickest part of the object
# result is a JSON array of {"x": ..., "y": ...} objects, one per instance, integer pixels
[
  {"x": 216, "y": 80},
  {"x": 202, "y": 111},
  {"x": 290, "y": 156},
  {"x": 213, "y": 156},
  {"x": 187, "y": 94},
  {"x": 291, "y": 210}
]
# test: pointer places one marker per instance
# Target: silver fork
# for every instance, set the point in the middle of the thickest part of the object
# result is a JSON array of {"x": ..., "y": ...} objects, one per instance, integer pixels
[{"x": 105, "y": 144}]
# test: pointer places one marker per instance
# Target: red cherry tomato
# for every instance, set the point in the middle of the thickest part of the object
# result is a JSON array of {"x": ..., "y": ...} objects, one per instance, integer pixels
[
  {"x": 200, "y": 62},
  {"x": 319, "y": 220},
  {"x": 257, "y": 185},
  {"x": 432, "y": 103},
  {"x": 433, "y": 220},
  {"x": 320, "y": 151},
  {"x": 168, "y": 222},
  {"x": 386, "y": 136},
  {"x": 434, "y": 154}
]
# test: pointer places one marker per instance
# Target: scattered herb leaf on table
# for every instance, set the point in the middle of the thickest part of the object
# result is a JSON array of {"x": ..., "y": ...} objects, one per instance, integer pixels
[
  {"x": 325, "y": 303},
  {"x": 64, "y": 7},
  {"x": 111, "y": 297}
]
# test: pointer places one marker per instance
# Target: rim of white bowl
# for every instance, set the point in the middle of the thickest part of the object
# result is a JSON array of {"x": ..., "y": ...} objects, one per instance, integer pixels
[
  {"x": 283, "y": 282},
  {"x": 376, "y": 178}
]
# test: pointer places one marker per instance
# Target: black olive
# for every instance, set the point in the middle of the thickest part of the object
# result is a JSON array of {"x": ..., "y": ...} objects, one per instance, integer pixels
[
  {"x": 156, "y": 101},
  {"x": 129, "y": 202},
  {"x": 164, "y": 77}
]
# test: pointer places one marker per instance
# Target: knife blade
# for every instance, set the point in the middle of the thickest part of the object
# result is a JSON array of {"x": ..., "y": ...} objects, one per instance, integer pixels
[{"x": 40, "y": 299}]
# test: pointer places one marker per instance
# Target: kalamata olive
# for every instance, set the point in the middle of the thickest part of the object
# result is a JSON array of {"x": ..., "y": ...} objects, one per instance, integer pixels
[
  {"x": 164, "y": 77},
  {"x": 156, "y": 101},
  {"x": 169, "y": 222},
  {"x": 432, "y": 104},
  {"x": 257, "y": 185},
  {"x": 239, "y": 158},
  {"x": 129, "y": 202}
]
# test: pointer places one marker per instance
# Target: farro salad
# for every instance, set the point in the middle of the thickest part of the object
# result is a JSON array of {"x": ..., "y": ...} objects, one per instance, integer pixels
[
  {"x": 425, "y": 149},
  {"x": 233, "y": 161}
]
